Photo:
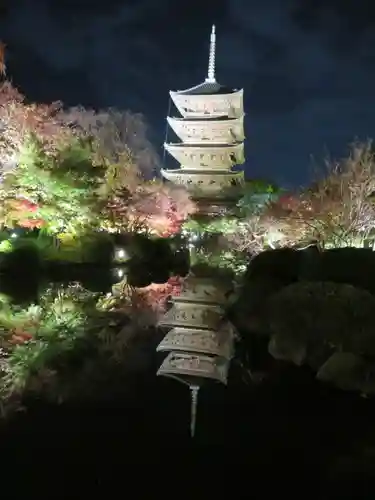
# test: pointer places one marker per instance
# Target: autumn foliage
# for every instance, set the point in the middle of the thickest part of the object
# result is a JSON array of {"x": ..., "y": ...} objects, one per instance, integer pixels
[
  {"x": 152, "y": 206},
  {"x": 155, "y": 295},
  {"x": 18, "y": 118},
  {"x": 126, "y": 200},
  {"x": 145, "y": 305},
  {"x": 337, "y": 210}
]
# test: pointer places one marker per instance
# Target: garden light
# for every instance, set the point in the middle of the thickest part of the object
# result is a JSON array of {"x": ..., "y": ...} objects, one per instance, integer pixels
[
  {"x": 121, "y": 254},
  {"x": 193, "y": 237}
]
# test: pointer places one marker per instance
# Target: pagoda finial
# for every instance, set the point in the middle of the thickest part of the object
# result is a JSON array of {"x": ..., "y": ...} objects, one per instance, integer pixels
[
  {"x": 194, "y": 389},
  {"x": 211, "y": 59}
]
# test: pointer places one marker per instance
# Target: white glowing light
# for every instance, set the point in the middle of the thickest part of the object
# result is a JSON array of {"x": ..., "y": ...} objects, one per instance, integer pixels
[
  {"x": 121, "y": 253},
  {"x": 14, "y": 235},
  {"x": 120, "y": 273}
]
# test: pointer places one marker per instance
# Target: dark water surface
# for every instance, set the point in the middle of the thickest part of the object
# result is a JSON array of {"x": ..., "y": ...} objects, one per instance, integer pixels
[
  {"x": 284, "y": 436},
  {"x": 286, "y": 432}
]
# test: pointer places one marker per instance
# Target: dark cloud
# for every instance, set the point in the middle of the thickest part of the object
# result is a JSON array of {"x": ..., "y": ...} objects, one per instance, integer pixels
[
  {"x": 342, "y": 16},
  {"x": 308, "y": 72}
]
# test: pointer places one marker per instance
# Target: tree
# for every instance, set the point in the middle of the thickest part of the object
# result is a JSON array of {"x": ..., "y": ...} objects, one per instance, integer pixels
[
  {"x": 120, "y": 141},
  {"x": 3, "y": 68},
  {"x": 116, "y": 133},
  {"x": 59, "y": 191},
  {"x": 338, "y": 210},
  {"x": 256, "y": 195},
  {"x": 156, "y": 207},
  {"x": 72, "y": 166},
  {"x": 18, "y": 119}
]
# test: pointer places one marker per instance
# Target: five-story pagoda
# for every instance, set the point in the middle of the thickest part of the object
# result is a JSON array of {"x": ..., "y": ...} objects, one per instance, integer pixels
[
  {"x": 211, "y": 136},
  {"x": 210, "y": 129}
]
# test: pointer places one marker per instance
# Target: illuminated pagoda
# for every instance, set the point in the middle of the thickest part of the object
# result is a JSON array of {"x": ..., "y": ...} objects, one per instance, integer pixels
[
  {"x": 210, "y": 129},
  {"x": 211, "y": 139}
]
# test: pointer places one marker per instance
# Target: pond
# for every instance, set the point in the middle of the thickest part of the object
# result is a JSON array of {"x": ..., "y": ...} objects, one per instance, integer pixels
[
  {"x": 25, "y": 272},
  {"x": 289, "y": 421}
]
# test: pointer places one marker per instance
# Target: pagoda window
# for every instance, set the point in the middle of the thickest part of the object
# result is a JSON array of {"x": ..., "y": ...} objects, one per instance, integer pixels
[{"x": 233, "y": 182}]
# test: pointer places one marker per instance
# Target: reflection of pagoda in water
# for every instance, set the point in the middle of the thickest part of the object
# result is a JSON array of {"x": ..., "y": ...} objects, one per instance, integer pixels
[{"x": 200, "y": 342}]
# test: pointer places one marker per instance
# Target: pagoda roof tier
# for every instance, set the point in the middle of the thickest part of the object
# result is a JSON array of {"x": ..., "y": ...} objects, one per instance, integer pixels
[
  {"x": 203, "y": 119},
  {"x": 207, "y": 87},
  {"x": 203, "y": 156},
  {"x": 204, "y": 183},
  {"x": 204, "y": 147},
  {"x": 201, "y": 131},
  {"x": 193, "y": 315},
  {"x": 199, "y": 341},
  {"x": 194, "y": 369},
  {"x": 204, "y": 290},
  {"x": 193, "y": 103}
]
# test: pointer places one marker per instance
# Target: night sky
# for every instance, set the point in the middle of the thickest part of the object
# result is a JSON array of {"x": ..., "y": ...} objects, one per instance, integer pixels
[{"x": 307, "y": 66}]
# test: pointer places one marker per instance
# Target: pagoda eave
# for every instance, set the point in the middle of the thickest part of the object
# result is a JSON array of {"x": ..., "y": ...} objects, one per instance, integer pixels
[
  {"x": 197, "y": 92},
  {"x": 207, "y": 155},
  {"x": 195, "y": 340},
  {"x": 192, "y": 368},
  {"x": 170, "y": 146},
  {"x": 225, "y": 120},
  {"x": 173, "y": 175},
  {"x": 213, "y": 105}
]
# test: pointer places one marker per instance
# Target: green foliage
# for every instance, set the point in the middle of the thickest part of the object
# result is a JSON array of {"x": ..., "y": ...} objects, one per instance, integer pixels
[
  {"x": 6, "y": 246},
  {"x": 256, "y": 195},
  {"x": 33, "y": 339},
  {"x": 202, "y": 225},
  {"x": 233, "y": 262},
  {"x": 63, "y": 185}
]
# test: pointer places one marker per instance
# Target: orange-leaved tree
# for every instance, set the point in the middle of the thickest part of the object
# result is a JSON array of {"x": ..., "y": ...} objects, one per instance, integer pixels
[{"x": 153, "y": 207}]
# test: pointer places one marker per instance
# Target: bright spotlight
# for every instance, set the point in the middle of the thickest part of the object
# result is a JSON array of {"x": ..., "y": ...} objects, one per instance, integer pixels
[{"x": 120, "y": 254}]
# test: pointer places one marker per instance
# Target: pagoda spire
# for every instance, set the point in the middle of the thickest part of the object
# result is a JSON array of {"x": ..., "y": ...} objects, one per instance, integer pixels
[{"x": 211, "y": 59}]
